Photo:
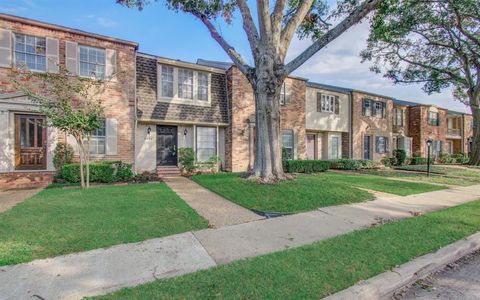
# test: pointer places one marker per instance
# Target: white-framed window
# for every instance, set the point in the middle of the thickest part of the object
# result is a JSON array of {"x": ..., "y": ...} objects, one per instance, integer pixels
[
  {"x": 328, "y": 103},
  {"x": 202, "y": 86},
  {"x": 378, "y": 109},
  {"x": 381, "y": 144},
  {"x": 285, "y": 94},
  {"x": 185, "y": 83},
  {"x": 334, "y": 145},
  {"x": 433, "y": 118},
  {"x": 167, "y": 81},
  {"x": 98, "y": 140},
  {"x": 206, "y": 143},
  {"x": 367, "y": 107},
  {"x": 92, "y": 61},
  {"x": 30, "y": 52},
  {"x": 288, "y": 143},
  {"x": 398, "y": 116}
]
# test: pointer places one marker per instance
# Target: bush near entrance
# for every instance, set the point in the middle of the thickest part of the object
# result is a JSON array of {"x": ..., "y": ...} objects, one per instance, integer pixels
[{"x": 104, "y": 172}]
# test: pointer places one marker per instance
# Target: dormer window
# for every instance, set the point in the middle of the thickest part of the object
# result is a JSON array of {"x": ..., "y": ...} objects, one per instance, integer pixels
[
  {"x": 92, "y": 62},
  {"x": 30, "y": 52}
]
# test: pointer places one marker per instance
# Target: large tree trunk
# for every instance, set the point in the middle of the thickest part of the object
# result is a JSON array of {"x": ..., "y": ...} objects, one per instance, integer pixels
[
  {"x": 475, "y": 156},
  {"x": 268, "y": 156}
]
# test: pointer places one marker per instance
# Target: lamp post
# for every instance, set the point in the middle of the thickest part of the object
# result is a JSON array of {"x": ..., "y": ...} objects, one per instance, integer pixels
[{"x": 429, "y": 145}]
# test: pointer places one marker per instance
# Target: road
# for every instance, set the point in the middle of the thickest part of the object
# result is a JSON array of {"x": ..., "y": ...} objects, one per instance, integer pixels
[{"x": 460, "y": 280}]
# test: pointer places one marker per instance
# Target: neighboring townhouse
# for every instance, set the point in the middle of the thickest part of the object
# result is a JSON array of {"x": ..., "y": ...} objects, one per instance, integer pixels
[
  {"x": 328, "y": 119},
  {"x": 401, "y": 126},
  {"x": 371, "y": 125},
  {"x": 26, "y": 150},
  {"x": 179, "y": 104}
]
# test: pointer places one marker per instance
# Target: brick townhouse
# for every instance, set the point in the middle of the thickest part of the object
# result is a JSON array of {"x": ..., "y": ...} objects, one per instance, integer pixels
[
  {"x": 26, "y": 150},
  {"x": 449, "y": 131}
]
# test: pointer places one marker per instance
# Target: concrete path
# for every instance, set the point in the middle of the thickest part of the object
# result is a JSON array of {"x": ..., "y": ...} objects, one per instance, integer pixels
[
  {"x": 458, "y": 281},
  {"x": 218, "y": 211},
  {"x": 100, "y": 271},
  {"x": 9, "y": 199}
]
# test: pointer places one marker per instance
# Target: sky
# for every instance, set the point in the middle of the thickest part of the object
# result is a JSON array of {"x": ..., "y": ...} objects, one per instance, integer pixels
[{"x": 166, "y": 33}]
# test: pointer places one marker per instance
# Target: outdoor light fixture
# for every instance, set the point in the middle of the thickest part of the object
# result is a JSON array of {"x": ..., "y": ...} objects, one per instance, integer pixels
[
  {"x": 149, "y": 130},
  {"x": 185, "y": 131},
  {"x": 429, "y": 145}
]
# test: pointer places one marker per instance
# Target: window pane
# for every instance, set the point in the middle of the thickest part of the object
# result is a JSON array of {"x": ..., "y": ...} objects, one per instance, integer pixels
[
  {"x": 92, "y": 62},
  {"x": 202, "y": 86},
  {"x": 39, "y": 133},
  {"x": 30, "y": 52},
  {"x": 167, "y": 81},
  {"x": 185, "y": 83},
  {"x": 31, "y": 133},
  {"x": 23, "y": 132},
  {"x": 287, "y": 139},
  {"x": 206, "y": 143}
]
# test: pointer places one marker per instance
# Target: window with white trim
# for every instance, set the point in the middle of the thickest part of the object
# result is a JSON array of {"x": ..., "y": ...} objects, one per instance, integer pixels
[
  {"x": 30, "y": 52},
  {"x": 398, "y": 117},
  {"x": 328, "y": 103},
  {"x": 288, "y": 143},
  {"x": 167, "y": 81},
  {"x": 381, "y": 144},
  {"x": 367, "y": 107},
  {"x": 206, "y": 143},
  {"x": 202, "y": 86},
  {"x": 185, "y": 83},
  {"x": 98, "y": 140},
  {"x": 92, "y": 62},
  {"x": 335, "y": 143},
  {"x": 378, "y": 109}
]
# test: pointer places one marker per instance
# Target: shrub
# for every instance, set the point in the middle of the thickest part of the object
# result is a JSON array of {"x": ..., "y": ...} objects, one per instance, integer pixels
[
  {"x": 367, "y": 164},
  {"x": 400, "y": 156},
  {"x": 417, "y": 160},
  {"x": 461, "y": 158},
  {"x": 145, "y": 177},
  {"x": 307, "y": 166},
  {"x": 187, "y": 159},
  {"x": 214, "y": 163},
  {"x": 447, "y": 159},
  {"x": 388, "y": 161},
  {"x": 346, "y": 164},
  {"x": 62, "y": 155},
  {"x": 105, "y": 172}
]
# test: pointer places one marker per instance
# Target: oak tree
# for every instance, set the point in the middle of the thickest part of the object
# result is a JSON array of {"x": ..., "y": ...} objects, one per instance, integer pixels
[{"x": 270, "y": 30}]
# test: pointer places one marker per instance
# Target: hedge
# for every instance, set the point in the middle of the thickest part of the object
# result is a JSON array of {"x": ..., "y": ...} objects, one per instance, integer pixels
[
  {"x": 416, "y": 160},
  {"x": 307, "y": 166},
  {"x": 352, "y": 164},
  {"x": 105, "y": 172}
]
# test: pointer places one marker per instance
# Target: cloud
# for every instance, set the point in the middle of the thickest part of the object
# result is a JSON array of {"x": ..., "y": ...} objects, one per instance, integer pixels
[
  {"x": 340, "y": 64},
  {"x": 101, "y": 21}
]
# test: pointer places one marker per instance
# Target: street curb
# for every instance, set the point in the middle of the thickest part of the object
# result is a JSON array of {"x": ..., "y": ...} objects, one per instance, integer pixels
[{"x": 384, "y": 285}]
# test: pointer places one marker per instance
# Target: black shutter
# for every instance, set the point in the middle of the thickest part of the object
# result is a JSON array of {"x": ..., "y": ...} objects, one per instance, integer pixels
[
  {"x": 319, "y": 102},
  {"x": 387, "y": 148},
  {"x": 384, "y": 109},
  {"x": 374, "y": 109},
  {"x": 363, "y": 107},
  {"x": 438, "y": 119},
  {"x": 337, "y": 105},
  {"x": 377, "y": 143}
]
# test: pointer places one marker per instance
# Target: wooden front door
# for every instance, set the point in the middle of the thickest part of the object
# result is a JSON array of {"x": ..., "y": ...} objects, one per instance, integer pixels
[
  {"x": 166, "y": 145},
  {"x": 30, "y": 142}
]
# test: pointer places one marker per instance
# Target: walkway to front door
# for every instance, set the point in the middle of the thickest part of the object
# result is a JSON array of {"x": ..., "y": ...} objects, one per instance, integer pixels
[{"x": 166, "y": 145}]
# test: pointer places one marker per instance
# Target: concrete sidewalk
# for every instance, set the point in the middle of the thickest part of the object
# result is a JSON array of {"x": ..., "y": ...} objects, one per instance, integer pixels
[
  {"x": 9, "y": 199},
  {"x": 103, "y": 270},
  {"x": 218, "y": 211}
]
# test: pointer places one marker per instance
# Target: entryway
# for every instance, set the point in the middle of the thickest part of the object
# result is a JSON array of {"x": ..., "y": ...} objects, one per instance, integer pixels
[
  {"x": 166, "y": 145},
  {"x": 311, "y": 146},
  {"x": 30, "y": 142}
]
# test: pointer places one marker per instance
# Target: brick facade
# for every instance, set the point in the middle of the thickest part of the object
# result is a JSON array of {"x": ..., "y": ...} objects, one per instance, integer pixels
[
  {"x": 421, "y": 131},
  {"x": 370, "y": 126},
  {"x": 119, "y": 96},
  {"x": 239, "y": 135}
]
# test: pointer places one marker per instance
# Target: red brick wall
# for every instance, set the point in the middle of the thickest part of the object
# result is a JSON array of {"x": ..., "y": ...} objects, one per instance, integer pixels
[
  {"x": 242, "y": 108},
  {"x": 119, "y": 97},
  {"x": 467, "y": 131},
  {"x": 421, "y": 131}
]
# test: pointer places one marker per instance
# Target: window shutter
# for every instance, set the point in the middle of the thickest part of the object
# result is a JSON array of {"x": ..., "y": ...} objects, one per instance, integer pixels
[
  {"x": 337, "y": 105},
  {"x": 384, "y": 109},
  {"x": 72, "y": 142},
  {"x": 5, "y": 48},
  {"x": 438, "y": 119},
  {"x": 71, "y": 57},
  {"x": 387, "y": 146},
  {"x": 111, "y": 131},
  {"x": 287, "y": 94},
  {"x": 319, "y": 102},
  {"x": 377, "y": 144},
  {"x": 363, "y": 107},
  {"x": 111, "y": 63},
  {"x": 374, "y": 108},
  {"x": 295, "y": 143},
  {"x": 52, "y": 55}
]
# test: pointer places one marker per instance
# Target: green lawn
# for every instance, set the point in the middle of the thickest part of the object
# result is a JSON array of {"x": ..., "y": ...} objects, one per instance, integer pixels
[
  {"x": 471, "y": 173},
  {"x": 306, "y": 192},
  {"x": 434, "y": 178},
  {"x": 60, "y": 221},
  {"x": 320, "y": 269}
]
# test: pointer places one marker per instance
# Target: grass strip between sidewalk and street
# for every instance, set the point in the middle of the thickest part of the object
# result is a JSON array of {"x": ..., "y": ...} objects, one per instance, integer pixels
[
  {"x": 320, "y": 269},
  {"x": 61, "y": 221}
]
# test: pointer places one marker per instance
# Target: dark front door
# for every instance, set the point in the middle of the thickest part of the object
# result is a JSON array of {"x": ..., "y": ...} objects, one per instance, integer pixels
[
  {"x": 166, "y": 145},
  {"x": 367, "y": 146},
  {"x": 30, "y": 142}
]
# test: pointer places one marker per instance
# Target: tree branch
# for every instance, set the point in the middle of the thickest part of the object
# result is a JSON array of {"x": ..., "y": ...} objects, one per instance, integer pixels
[
  {"x": 232, "y": 53},
  {"x": 249, "y": 27},
  {"x": 293, "y": 23},
  {"x": 277, "y": 19},
  {"x": 264, "y": 19},
  {"x": 357, "y": 15}
]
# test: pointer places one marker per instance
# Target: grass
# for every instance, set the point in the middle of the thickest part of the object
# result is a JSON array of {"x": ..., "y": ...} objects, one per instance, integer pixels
[
  {"x": 306, "y": 192},
  {"x": 446, "y": 170},
  {"x": 434, "y": 178},
  {"x": 61, "y": 221},
  {"x": 320, "y": 269}
]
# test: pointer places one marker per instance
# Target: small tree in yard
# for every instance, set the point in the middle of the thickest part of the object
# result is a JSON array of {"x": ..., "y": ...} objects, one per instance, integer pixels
[
  {"x": 436, "y": 43},
  {"x": 71, "y": 104},
  {"x": 269, "y": 38}
]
